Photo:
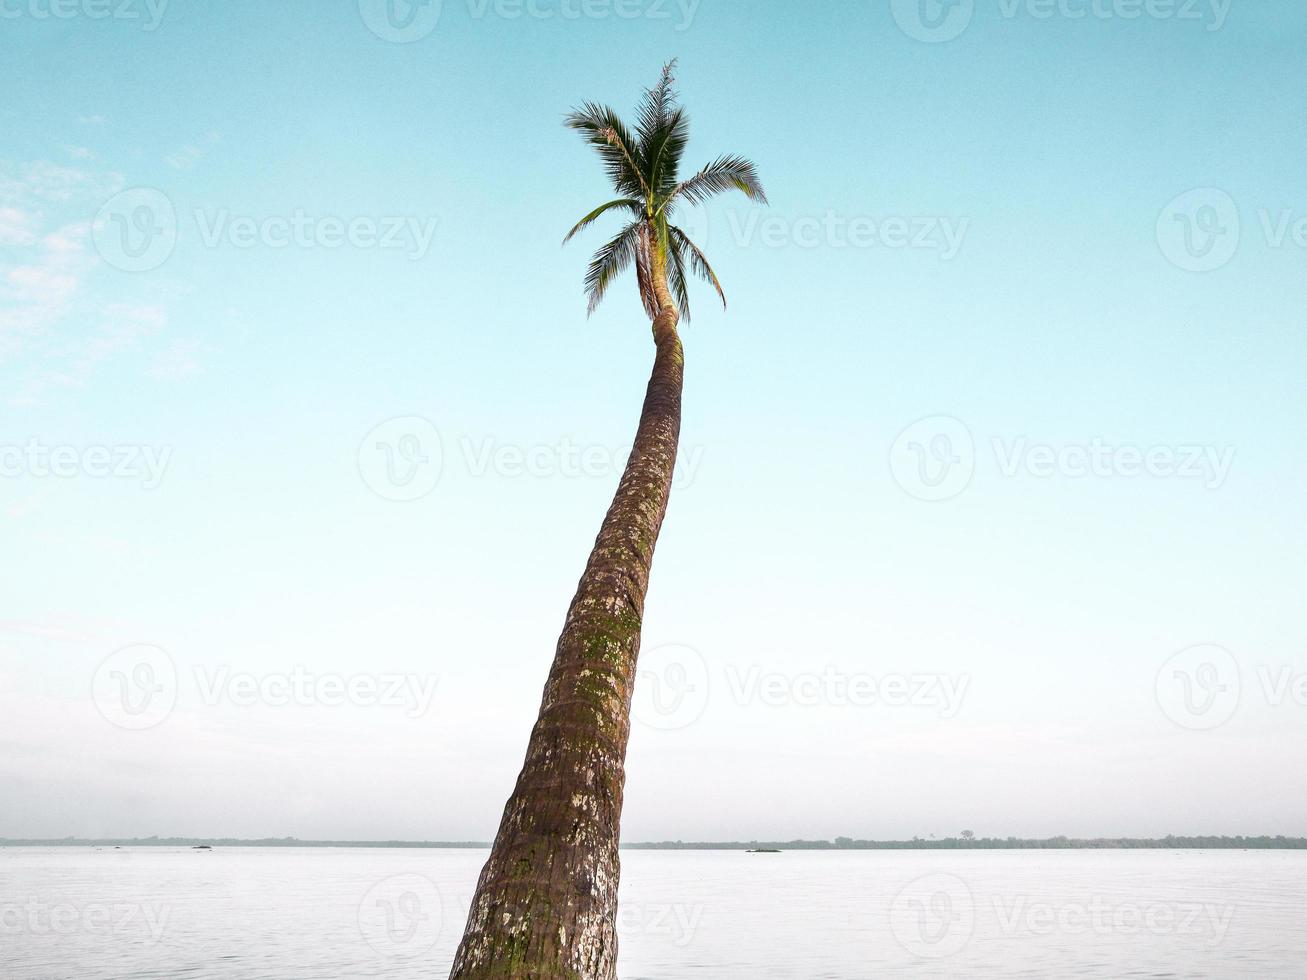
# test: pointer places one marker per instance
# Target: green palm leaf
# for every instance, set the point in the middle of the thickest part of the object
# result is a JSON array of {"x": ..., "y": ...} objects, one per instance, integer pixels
[
  {"x": 609, "y": 262},
  {"x": 726, "y": 173},
  {"x": 676, "y": 278},
  {"x": 605, "y": 131},
  {"x": 663, "y": 130},
  {"x": 698, "y": 261},
  {"x": 663, "y": 153},
  {"x": 631, "y": 244},
  {"x": 658, "y": 104},
  {"x": 622, "y": 202}
]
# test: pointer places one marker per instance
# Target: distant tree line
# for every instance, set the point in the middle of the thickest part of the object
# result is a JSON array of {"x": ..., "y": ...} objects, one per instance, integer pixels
[
  {"x": 965, "y": 843},
  {"x": 230, "y": 842},
  {"x": 962, "y": 842}
]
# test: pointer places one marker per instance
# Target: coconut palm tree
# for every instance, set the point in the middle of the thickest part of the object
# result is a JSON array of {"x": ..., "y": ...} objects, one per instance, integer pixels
[{"x": 546, "y": 903}]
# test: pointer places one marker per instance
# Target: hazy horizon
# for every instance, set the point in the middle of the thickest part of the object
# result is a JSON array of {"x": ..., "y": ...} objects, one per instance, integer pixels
[{"x": 929, "y": 842}]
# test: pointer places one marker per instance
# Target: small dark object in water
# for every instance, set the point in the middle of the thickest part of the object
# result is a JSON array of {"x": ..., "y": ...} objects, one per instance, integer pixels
[
  {"x": 763, "y": 850},
  {"x": 201, "y": 847}
]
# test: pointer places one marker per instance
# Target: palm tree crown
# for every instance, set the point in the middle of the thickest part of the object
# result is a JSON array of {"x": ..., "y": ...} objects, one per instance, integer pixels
[{"x": 643, "y": 167}]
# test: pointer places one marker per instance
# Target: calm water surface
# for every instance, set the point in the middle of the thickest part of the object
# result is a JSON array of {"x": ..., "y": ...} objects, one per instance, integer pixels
[{"x": 342, "y": 913}]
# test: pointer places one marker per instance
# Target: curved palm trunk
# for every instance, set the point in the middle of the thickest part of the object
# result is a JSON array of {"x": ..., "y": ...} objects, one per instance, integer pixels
[{"x": 546, "y": 903}]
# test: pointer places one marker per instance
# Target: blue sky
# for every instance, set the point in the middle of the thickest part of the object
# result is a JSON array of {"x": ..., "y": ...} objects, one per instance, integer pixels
[{"x": 984, "y": 232}]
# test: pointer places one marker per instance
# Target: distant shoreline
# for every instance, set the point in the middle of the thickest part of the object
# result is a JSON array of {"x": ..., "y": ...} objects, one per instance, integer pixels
[{"x": 840, "y": 844}]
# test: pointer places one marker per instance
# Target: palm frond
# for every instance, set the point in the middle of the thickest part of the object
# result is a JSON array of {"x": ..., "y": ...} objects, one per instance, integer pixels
[
  {"x": 662, "y": 160},
  {"x": 609, "y": 262},
  {"x": 726, "y": 173},
  {"x": 676, "y": 278},
  {"x": 697, "y": 260},
  {"x": 663, "y": 130},
  {"x": 644, "y": 264},
  {"x": 604, "y": 130},
  {"x": 658, "y": 104},
  {"x": 631, "y": 244},
  {"x": 622, "y": 202}
]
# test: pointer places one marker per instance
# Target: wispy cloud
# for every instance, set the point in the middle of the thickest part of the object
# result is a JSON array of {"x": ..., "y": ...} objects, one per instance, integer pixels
[
  {"x": 17, "y": 227},
  {"x": 123, "y": 326},
  {"x": 73, "y": 360},
  {"x": 45, "y": 182},
  {"x": 39, "y": 289},
  {"x": 63, "y": 314},
  {"x": 178, "y": 361},
  {"x": 187, "y": 156},
  {"x": 184, "y": 158}
]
